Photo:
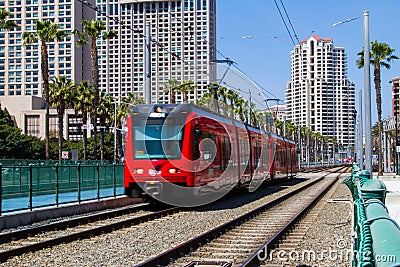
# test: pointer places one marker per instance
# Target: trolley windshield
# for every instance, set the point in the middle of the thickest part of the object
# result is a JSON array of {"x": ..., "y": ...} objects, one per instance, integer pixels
[{"x": 159, "y": 141}]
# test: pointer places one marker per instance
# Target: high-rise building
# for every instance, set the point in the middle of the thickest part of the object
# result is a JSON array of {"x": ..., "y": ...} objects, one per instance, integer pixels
[
  {"x": 20, "y": 72},
  {"x": 183, "y": 46},
  {"x": 319, "y": 94}
]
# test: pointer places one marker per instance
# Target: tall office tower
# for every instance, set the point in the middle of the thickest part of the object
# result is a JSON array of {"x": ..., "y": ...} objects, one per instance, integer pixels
[
  {"x": 319, "y": 94},
  {"x": 183, "y": 46},
  {"x": 20, "y": 71}
]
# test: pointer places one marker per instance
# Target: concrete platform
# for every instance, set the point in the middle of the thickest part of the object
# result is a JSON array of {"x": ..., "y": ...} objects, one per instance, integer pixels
[
  {"x": 28, "y": 217},
  {"x": 392, "y": 182}
]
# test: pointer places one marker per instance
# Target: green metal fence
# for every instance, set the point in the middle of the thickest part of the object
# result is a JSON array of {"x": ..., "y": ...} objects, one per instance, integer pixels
[
  {"x": 376, "y": 234},
  {"x": 33, "y": 184}
]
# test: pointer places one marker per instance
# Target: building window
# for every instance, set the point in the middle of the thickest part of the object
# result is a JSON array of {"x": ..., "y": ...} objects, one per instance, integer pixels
[{"x": 32, "y": 125}]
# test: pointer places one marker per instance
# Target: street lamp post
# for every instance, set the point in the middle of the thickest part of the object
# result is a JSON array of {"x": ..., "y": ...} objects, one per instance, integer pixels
[
  {"x": 299, "y": 148},
  {"x": 308, "y": 122},
  {"x": 115, "y": 130},
  {"x": 367, "y": 86},
  {"x": 360, "y": 132}
]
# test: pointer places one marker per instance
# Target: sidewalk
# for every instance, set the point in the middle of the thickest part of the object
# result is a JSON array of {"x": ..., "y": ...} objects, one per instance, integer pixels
[{"x": 392, "y": 182}]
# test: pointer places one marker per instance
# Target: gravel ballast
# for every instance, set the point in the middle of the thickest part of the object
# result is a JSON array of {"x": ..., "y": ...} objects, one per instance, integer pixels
[{"x": 129, "y": 246}]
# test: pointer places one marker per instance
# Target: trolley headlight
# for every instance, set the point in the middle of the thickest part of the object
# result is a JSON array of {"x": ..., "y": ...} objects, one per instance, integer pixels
[
  {"x": 172, "y": 171},
  {"x": 138, "y": 171}
]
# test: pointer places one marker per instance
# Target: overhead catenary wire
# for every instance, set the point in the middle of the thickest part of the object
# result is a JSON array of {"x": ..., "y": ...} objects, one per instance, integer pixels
[
  {"x": 284, "y": 22},
  {"x": 290, "y": 22},
  {"x": 155, "y": 42}
]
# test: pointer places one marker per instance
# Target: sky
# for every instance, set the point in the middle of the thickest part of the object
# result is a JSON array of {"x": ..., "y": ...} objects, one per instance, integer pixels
[{"x": 265, "y": 57}]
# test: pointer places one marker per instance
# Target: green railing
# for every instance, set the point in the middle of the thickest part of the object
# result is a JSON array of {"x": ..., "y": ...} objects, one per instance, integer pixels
[
  {"x": 25, "y": 185},
  {"x": 376, "y": 234}
]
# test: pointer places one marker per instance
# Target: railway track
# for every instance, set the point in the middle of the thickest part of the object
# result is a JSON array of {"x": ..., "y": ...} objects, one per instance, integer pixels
[
  {"x": 240, "y": 241},
  {"x": 290, "y": 243},
  {"x": 28, "y": 240}
]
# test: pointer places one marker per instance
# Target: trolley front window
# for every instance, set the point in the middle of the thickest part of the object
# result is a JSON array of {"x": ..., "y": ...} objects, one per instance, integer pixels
[{"x": 158, "y": 141}]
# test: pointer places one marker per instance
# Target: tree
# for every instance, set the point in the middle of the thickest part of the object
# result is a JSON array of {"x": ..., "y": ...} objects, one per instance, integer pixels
[
  {"x": 6, "y": 24},
  {"x": 381, "y": 55},
  {"x": 60, "y": 96},
  {"x": 184, "y": 88},
  {"x": 232, "y": 96},
  {"x": 83, "y": 100},
  {"x": 124, "y": 109},
  {"x": 5, "y": 118},
  {"x": 170, "y": 87},
  {"x": 46, "y": 31},
  {"x": 94, "y": 29},
  {"x": 223, "y": 95},
  {"x": 14, "y": 144},
  {"x": 105, "y": 111},
  {"x": 241, "y": 110}
]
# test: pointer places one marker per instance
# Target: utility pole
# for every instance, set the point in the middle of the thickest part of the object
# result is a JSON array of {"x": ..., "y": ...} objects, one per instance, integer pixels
[
  {"x": 299, "y": 148},
  {"x": 308, "y": 122},
  {"x": 360, "y": 132},
  {"x": 367, "y": 88},
  {"x": 148, "y": 64}
]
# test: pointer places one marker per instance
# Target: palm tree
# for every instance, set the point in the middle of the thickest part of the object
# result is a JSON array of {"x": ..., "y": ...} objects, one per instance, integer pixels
[
  {"x": 291, "y": 130},
  {"x": 46, "y": 31},
  {"x": 60, "y": 92},
  {"x": 94, "y": 29},
  {"x": 222, "y": 93},
  {"x": 184, "y": 88},
  {"x": 6, "y": 24},
  {"x": 170, "y": 87},
  {"x": 83, "y": 101},
  {"x": 381, "y": 56},
  {"x": 105, "y": 111},
  {"x": 241, "y": 109},
  {"x": 232, "y": 96},
  {"x": 204, "y": 101},
  {"x": 125, "y": 108},
  {"x": 213, "y": 90}
]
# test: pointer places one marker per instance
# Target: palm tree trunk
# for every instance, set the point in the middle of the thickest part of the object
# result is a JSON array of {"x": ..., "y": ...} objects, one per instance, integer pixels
[
  {"x": 172, "y": 95},
  {"x": 377, "y": 81},
  {"x": 95, "y": 81},
  {"x": 185, "y": 97},
  {"x": 45, "y": 76}
]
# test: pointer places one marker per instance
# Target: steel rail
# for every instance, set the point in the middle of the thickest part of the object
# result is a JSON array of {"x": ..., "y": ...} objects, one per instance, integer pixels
[
  {"x": 273, "y": 240},
  {"x": 176, "y": 252},
  {"x": 4, "y": 255},
  {"x": 61, "y": 225}
]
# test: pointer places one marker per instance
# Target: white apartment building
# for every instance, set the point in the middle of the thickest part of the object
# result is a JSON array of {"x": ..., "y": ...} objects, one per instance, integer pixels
[
  {"x": 20, "y": 72},
  {"x": 319, "y": 94},
  {"x": 183, "y": 46}
]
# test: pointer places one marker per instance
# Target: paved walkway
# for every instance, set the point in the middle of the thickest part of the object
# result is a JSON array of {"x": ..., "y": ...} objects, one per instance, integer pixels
[{"x": 392, "y": 182}]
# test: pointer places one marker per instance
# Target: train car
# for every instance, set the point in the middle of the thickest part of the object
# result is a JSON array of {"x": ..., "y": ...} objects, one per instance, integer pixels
[{"x": 188, "y": 146}]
